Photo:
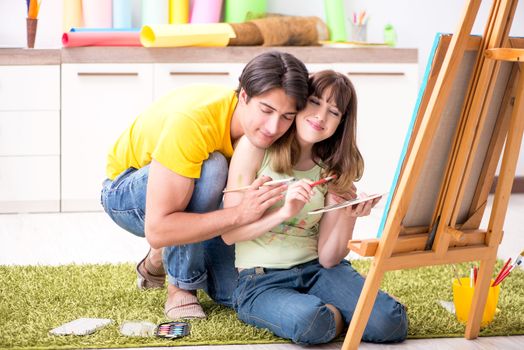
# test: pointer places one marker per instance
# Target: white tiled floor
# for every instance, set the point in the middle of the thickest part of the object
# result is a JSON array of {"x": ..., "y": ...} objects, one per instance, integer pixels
[{"x": 62, "y": 238}]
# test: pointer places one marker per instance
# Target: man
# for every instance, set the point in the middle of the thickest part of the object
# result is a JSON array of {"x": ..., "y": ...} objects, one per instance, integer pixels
[{"x": 167, "y": 171}]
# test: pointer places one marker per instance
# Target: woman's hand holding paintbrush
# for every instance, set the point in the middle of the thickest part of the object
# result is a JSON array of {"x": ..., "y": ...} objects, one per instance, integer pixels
[{"x": 256, "y": 199}]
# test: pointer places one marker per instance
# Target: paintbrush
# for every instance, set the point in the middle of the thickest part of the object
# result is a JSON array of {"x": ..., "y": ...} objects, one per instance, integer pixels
[
  {"x": 505, "y": 272},
  {"x": 269, "y": 183},
  {"x": 323, "y": 181}
]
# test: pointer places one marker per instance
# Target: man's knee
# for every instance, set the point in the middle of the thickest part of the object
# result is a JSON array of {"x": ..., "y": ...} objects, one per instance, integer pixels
[
  {"x": 207, "y": 193},
  {"x": 215, "y": 168},
  {"x": 314, "y": 325},
  {"x": 387, "y": 325}
]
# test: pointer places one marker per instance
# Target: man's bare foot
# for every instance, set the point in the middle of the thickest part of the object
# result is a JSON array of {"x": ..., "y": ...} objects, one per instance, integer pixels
[
  {"x": 182, "y": 304},
  {"x": 155, "y": 258}
]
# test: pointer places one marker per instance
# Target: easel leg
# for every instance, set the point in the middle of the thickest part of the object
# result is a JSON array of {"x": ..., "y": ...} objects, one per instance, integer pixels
[
  {"x": 364, "y": 308},
  {"x": 480, "y": 296},
  {"x": 500, "y": 205}
]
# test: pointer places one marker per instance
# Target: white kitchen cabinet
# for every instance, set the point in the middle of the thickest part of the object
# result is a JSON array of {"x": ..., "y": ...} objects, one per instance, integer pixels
[
  {"x": 60, "y": 116},
  {"x": 29, "y": 184},
  {"x": 26, "y": 133},
  {"x": 99, "y": 101},
  {"x": 386, "y": 96},
  {"x": 29, "y": 88},
  {"x": 29, "y": 138},
  {"x": 169, "y": 76}
]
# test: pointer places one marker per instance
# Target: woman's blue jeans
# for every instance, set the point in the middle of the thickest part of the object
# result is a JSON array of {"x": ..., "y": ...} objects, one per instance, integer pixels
[
  {"x": 207, "y": 265},
  {"x": 292, "y": 303}
]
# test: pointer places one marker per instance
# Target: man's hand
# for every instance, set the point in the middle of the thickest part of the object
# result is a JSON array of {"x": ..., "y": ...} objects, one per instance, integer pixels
[
  {"x": 258, "y": 199},
  {"x": 298, "y": 194}
]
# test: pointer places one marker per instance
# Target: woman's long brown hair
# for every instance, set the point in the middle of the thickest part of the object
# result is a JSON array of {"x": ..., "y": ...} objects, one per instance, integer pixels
[{"x": 337, "y": 154}]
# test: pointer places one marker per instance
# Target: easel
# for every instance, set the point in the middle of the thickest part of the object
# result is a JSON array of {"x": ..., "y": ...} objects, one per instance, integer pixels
[{"x": 450, "y": 233}]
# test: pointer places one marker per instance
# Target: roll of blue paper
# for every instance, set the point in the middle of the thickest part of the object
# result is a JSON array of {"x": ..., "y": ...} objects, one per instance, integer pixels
[
  {"x": 84, "y": 29},
  {"x": 122, "y": 13}
]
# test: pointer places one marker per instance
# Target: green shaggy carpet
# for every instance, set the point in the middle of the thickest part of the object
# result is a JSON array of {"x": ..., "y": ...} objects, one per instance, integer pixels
[{"x": 35, "y": 299}]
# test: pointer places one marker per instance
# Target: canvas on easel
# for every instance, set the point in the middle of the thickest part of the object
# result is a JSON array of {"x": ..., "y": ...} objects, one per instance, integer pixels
[{"x": 470, "y": 109}]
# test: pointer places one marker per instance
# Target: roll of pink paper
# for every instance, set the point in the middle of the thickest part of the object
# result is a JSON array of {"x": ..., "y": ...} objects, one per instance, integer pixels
[
  {"x": 206, "y": 11},
  {"x": 98, "y": 13},
  {"x": 74, "y": 39}
]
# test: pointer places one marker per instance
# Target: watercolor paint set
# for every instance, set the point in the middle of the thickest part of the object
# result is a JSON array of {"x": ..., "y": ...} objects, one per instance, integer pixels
[{"x": 173, "y": 330}]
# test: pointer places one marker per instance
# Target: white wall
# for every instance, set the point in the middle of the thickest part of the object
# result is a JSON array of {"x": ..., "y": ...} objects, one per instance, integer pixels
[
  {"x": 415, "y": 21},
  {"x": 13, "y": 24}
]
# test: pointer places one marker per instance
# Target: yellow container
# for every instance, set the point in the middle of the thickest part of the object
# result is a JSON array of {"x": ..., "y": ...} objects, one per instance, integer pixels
[{"x": 463, "y": 296}]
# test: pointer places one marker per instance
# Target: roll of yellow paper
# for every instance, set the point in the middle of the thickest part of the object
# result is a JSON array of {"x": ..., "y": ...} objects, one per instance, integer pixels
[
  {"x": 178, "y": 11},
  {"x": 72, "y": 14},
  {"x": 175, "y": 35}
]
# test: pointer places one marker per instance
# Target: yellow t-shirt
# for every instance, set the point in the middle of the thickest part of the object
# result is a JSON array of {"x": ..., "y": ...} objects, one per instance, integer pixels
[{"x": 179, "y": 130}]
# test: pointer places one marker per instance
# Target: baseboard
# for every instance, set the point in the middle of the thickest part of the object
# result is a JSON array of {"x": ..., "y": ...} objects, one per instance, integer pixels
[{"x": 518, "y": 185}]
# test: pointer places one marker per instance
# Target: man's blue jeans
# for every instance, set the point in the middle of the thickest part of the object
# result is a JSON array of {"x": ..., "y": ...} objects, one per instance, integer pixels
[
  {"x": 207, "y": 265},
  {"x": 292, "y": 303}
]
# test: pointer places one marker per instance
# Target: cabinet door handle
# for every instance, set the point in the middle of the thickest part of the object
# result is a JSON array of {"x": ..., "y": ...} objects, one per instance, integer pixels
[
  {"x": 377, "y": 73},
  {"x": 104, "y": 74},
  {"x": 198, "y": 73}
]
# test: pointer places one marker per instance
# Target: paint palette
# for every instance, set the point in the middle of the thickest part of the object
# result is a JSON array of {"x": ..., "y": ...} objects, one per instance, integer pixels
[{"x": 172, "y": 330}]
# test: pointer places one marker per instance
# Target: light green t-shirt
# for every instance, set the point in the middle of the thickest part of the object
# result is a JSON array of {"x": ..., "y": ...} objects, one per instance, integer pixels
[{"x": 294, "y": 241}]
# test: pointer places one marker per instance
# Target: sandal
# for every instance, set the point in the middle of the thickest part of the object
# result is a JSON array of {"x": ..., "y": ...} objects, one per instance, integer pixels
[
  {"x": 147, "y": 280},
  {"x": 185, "y": 307}
]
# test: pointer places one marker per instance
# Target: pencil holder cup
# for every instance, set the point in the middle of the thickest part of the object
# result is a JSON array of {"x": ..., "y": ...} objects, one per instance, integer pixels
[
  {"x": 31, "y": 32},
  {"x": 358, "y": 32},
  {"x": 463, "y": 296}
]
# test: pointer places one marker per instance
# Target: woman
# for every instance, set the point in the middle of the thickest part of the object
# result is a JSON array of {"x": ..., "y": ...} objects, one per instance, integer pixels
[{"x": 293, "y": 277}]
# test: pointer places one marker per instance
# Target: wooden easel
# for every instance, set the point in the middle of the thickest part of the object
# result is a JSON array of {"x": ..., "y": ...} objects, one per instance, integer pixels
[{"x": 451, "y": 234}]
